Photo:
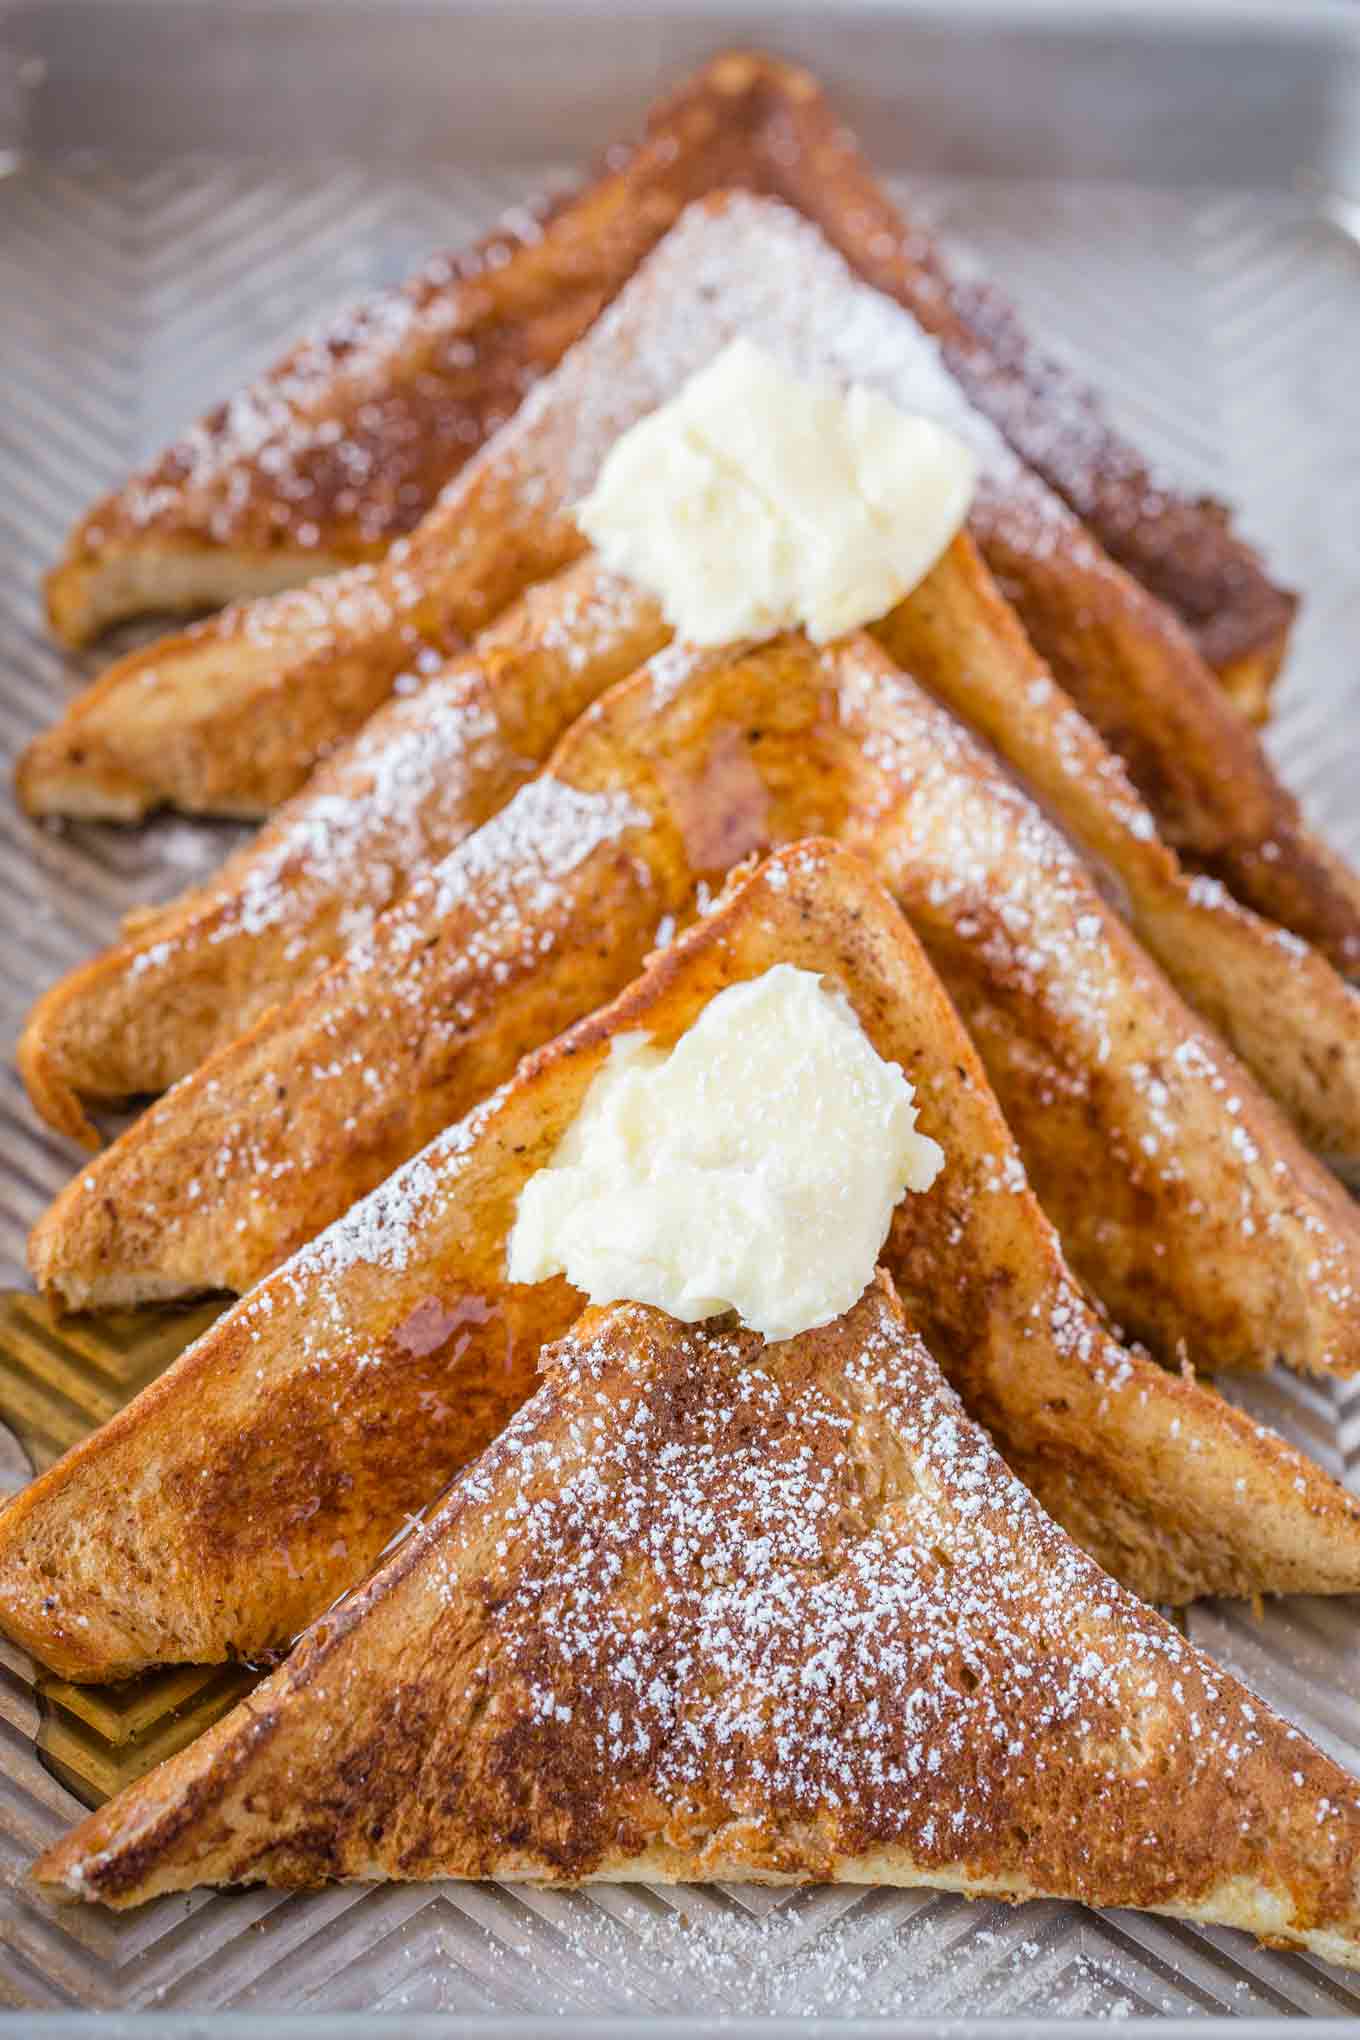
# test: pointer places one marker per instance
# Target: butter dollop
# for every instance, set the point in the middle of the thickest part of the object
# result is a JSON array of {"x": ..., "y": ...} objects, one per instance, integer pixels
[
  {"x": 754, "y": 502},
  {"x": 752, "y": 1167}
]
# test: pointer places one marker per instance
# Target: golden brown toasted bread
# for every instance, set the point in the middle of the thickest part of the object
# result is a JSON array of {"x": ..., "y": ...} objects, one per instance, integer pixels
[
  {"x": 266, "y": 1470},
  {"x": 429, "y": 768},
  {"x": 1290, "y": 1017},
  {"x": 346, "y": 443},
  {"x": 193, "y": 975},
  {"x": 1181, "y": 1194},
  {"x": 737, "y": 265},
  {"x": 540, "y": 916},
  {"x": 717, "y": 1609}
]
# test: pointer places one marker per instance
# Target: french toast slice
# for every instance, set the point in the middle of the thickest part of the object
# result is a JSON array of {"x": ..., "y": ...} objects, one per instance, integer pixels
[
  {"x": 736, "y": 265},
  {"x": 1182, "y": 1196},
  {"x": 344, "y": 445},
  {"x": 427, "y": 770},
  {"x": 719, "y": 1609},
  {"x": 1281, "y": 1006},
  {"x": 192, "y": 976},
  {"x": 264, "y": 1473}
]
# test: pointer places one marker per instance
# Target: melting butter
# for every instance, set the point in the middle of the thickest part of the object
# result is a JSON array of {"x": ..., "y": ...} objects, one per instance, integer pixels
[
  {"x": 754, "y": 502},
  {"x": 753, "y": 1167}
]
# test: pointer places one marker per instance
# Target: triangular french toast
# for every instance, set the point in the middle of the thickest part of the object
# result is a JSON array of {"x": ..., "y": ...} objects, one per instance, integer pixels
[
  {"x": 264, "y": 1473},
  {"x": 428, "y": 769},
  {"x": 716, "y": 1609},
  {"x": 218, "y": 715},
  {"x": 1290, "y": 1017},
  {"x": 263, "y": 491},
  {"x": 1181, "y": 1195},
  {"x": 190, "y": 977}
]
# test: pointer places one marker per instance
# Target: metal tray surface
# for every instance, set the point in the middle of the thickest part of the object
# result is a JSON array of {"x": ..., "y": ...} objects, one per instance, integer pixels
[{"x": 135, "y": 289}]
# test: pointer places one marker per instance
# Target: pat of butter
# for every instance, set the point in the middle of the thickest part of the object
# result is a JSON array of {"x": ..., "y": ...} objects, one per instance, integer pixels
[
  {"x": 754, "y": 1167},
  {"x": 754, "y": 503}
]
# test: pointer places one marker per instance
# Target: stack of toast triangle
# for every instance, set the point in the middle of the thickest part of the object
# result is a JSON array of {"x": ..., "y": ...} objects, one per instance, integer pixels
[
  {"x": 1182, "y": 1196},
  {"x": 786, "y": 1605},
  {"x": 235, "y": 713},
  {"x": 427, "y": 769},
  {"x": 264, "y": 1473},
  {"x": 345, "y": 444},
  {"x": 713, "y": 1609},
  {"x": 193, "y": 976}
]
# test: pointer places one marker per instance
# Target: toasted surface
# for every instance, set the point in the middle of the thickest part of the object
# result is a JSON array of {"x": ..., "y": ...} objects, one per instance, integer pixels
[
  {"x": 260, "y": 493},
  {"x": 1288, "y": 1014},
  {"x": 192, "y": 976},
  {"x": 539, "y": 917},
  {"x": 430, "y": 767},
  {"x": 266, "y": 1470},
  {"x": 1182, "y": 1196},
  {"x": 719, "y": 1609},
  {"x": 734, "y": 265},
  {"x": 232, "y": 715}
]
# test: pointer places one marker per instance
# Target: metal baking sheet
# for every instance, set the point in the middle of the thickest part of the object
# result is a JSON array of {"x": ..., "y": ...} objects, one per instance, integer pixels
[{"x": 1168, "y": 197}]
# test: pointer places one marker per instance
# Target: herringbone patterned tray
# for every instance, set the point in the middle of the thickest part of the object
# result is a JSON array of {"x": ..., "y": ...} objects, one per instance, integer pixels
[{"x": 1224, "y": 330}]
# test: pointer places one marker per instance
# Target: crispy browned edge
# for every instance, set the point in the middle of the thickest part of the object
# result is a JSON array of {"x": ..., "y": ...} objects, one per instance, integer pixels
[{"x": 517, "y": 300}]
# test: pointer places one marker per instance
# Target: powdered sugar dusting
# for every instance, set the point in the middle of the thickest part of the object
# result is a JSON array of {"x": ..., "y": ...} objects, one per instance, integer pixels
[
  {"x": 311, "y": 1305},
  {"x": 545, "y": 833},
  {"x": 486, "y": 915},
  {"x": 1006, "y": 904},
  {"x": 757, "y": 269},
  {"x": 746, "y": 1952},
  {"x": 331, "y": 837},
  {"x": 794, "y": 1596},
  {"x": 382, "y": 1229},
  {"x": 418, "y": 777},
  {"x": 347, "y": 428}
]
